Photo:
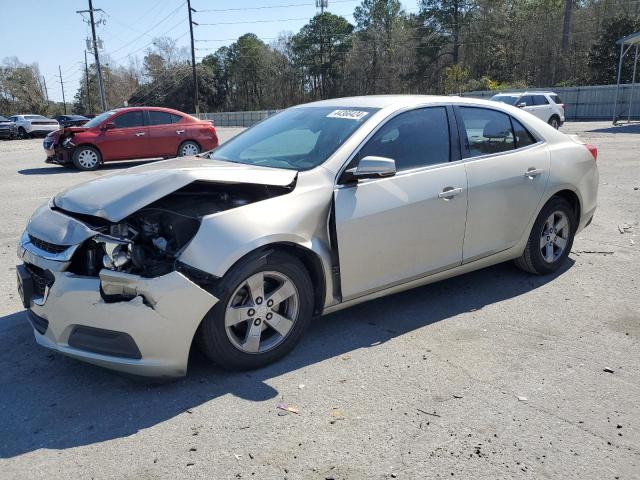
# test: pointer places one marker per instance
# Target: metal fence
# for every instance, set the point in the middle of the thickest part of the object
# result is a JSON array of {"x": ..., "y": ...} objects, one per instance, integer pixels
[
  {"x": 581, "y": 103},
  {"x": 237, "y": 119},
  {"x": 589, "y": 103}
]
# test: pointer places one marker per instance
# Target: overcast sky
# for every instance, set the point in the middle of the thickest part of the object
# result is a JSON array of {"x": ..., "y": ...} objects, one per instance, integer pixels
[{"x": 51, "y": 33}]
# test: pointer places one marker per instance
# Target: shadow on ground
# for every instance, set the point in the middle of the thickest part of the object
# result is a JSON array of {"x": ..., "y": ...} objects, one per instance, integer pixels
[
  {"x": 53, "y": 402},
  {"x": 631, "y": 128},
  {"x": 57, "y": 169}
]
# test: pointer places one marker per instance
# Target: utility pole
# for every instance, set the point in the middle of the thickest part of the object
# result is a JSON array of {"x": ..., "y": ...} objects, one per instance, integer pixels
[
  {"x": 64, "y": 102},
  {"x": 86, "y": 76},
  {"x": 46, "y": 92},
  {"x": 103, "y": 99},
  {"x": 193, "y": 59}
]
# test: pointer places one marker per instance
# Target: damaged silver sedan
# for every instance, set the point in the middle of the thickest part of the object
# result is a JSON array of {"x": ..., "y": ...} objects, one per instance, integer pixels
[{"x": 320, "y": 207}]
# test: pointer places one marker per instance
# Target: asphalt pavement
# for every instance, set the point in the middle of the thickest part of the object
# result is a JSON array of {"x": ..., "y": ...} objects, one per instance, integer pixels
[{"x": 494, "y": 374}]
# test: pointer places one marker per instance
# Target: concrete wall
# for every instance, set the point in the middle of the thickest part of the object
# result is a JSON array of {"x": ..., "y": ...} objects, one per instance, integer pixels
[
  {"x": 589, "y": 103},
  {"x": 237, "y": 119}
]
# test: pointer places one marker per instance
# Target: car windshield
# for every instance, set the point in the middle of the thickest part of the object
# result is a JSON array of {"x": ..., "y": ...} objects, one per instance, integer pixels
[
  {"x": 94, "y": 122},
  {"x": 508, "y": 99},
  {"x": 296, "y": 139}
]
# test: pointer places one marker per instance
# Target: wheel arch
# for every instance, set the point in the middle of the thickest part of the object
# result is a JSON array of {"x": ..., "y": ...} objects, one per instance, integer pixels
[
  {"x": 573, "y": 199},
  {"x": 309, "y": 259},
  {"x": 88, "y": 144}
]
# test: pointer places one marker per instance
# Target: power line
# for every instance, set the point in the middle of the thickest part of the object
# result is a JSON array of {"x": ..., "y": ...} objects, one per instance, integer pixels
[{"x": 267, "y": 7}]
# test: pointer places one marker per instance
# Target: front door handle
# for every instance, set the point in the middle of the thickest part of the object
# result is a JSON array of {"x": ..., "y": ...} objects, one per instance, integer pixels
[
  {"x": 139, "y": 134},
  {"x": 448, "y": 193},
  {"x": 179, "y": 131},
  {"x": 533, "y": 172}
]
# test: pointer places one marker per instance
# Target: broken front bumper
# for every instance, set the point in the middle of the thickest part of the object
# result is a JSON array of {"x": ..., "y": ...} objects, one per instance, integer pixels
[{"x": 142, "y": 326}]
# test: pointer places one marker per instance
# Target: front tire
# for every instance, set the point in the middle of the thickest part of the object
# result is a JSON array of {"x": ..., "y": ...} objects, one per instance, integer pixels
[
  {"x": 264, "y": 307},
  {"x": 22, "y": 133},
  {"x": 551, "y": 238},
  {"x": 86, "y": 158}
]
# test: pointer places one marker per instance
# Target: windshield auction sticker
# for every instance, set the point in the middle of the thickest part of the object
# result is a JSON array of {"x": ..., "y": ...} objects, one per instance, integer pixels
[{"x": 348, "y": 114}]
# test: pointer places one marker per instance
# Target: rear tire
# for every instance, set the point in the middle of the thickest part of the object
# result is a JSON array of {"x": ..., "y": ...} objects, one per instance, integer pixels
[
  {"x": 87, "y": 158},
  {"x": 188, "y": 149},
  {"x": 551, "y": 238},
  {"x": 227, "y": 334},
  {"x": 554, "y": 121}
]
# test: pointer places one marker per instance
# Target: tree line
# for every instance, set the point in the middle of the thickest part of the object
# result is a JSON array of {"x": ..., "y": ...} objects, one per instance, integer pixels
[{"x": 447, "y": 46}]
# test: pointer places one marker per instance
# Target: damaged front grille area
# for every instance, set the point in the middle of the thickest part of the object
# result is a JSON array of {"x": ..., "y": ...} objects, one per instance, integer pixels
[
  {"x": 41, "y": 279},
  {"x": 148, "y": 242},
  {"x": 46, "y": 246}
]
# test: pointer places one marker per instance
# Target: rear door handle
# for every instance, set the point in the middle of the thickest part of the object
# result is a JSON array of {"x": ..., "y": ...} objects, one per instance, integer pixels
[
  {"x": 449, "y": 192},
  {"x": 533, "y": 172},
  {"x": 139, "y": 134},
  {"x": 179, "y": 131}
]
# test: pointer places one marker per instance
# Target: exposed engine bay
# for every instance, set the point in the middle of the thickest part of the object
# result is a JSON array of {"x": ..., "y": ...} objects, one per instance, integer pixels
[{"x": 149, "y": 241}]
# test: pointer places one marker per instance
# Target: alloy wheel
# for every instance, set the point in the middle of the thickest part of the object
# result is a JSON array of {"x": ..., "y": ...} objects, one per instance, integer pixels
[
  {"x": 554, "y": 237},
  {"x": 88, "y": 158},
  {"x": 189, "y": 150},
  {"x": 261, "y": 312}
]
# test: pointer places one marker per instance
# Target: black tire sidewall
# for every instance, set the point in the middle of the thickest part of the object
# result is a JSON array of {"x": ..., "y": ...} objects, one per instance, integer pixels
[
  {"x": 77, "y": 164},
  {"x": 553, "y": 205},
  {"x": 212, "y": 334}
]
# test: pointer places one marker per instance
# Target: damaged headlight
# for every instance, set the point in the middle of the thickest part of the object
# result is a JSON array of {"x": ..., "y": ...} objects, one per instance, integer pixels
[{"x": 146, "y": 243}]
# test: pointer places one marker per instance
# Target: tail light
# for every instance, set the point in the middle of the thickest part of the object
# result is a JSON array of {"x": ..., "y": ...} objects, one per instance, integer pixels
[{"x": 593, "y": 150}]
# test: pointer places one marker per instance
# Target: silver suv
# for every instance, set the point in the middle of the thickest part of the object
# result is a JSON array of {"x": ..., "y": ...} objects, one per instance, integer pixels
[{"x": 545, "y": 105}]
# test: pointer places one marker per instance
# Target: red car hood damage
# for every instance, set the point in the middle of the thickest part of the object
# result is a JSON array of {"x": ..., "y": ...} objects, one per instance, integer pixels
[{"x": 116, "y": 196}]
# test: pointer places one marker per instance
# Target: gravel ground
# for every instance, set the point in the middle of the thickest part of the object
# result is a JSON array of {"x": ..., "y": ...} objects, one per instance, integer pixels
[{"x": 494, "y": 374}]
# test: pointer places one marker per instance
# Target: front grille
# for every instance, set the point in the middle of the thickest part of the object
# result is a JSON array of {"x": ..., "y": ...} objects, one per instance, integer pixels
[
  {"x": 46, "y": 246},
  {"x": 41, "y": 279}
]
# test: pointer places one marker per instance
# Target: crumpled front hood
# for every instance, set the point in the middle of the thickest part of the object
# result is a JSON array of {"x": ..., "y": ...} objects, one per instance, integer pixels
[{"x": 116, "y": 196}]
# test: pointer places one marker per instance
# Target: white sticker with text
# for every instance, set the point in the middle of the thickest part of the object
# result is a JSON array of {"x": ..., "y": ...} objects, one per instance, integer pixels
[{"x": 348, "y": 114}]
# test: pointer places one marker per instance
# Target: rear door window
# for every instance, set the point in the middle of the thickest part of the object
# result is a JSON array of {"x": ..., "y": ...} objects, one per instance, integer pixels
[
  {"x": 129, "y": 119},
  {"x": 540, "y": 100},
  {"x": 488, "y": 131},
  {"x": 157, "y": 117},
  {"x": 523, "y": 137}
]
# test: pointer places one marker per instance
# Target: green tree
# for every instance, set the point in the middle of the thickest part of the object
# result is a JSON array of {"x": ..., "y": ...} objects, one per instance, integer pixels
[
  {"x": 449, "y": 17},
  {"x": 319, "y": 50},
  {"x": 605, "y": 52}
]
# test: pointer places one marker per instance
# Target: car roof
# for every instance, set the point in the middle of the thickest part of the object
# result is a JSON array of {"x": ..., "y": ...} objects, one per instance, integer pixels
[
  {"x": 161, "y": 109},
  {"x": 537, "y": 92},
  {"x": 397, "y": 101}
]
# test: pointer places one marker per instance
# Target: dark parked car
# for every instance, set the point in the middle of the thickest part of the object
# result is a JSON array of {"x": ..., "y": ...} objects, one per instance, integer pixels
[
  {"x": 8, "y": 129},
  {"x": 71, "y": 120}
]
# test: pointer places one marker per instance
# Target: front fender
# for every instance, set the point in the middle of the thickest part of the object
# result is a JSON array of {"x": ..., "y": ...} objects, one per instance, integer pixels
[{"x": 299, "y": 218}]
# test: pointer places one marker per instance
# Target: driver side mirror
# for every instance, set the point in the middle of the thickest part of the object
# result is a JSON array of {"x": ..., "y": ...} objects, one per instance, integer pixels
[
  {"x": 521, "y": 105},
  {"x": 370, "y": 167},
  {"x": 108, "y": 126}
]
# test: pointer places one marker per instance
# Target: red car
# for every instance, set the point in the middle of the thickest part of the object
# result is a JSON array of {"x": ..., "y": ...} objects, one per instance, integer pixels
[{"x": 127, "y": 133}]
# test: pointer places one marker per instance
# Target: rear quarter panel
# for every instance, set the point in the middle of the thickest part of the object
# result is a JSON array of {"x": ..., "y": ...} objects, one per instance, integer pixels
[{"x": 574, "y": 168}]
